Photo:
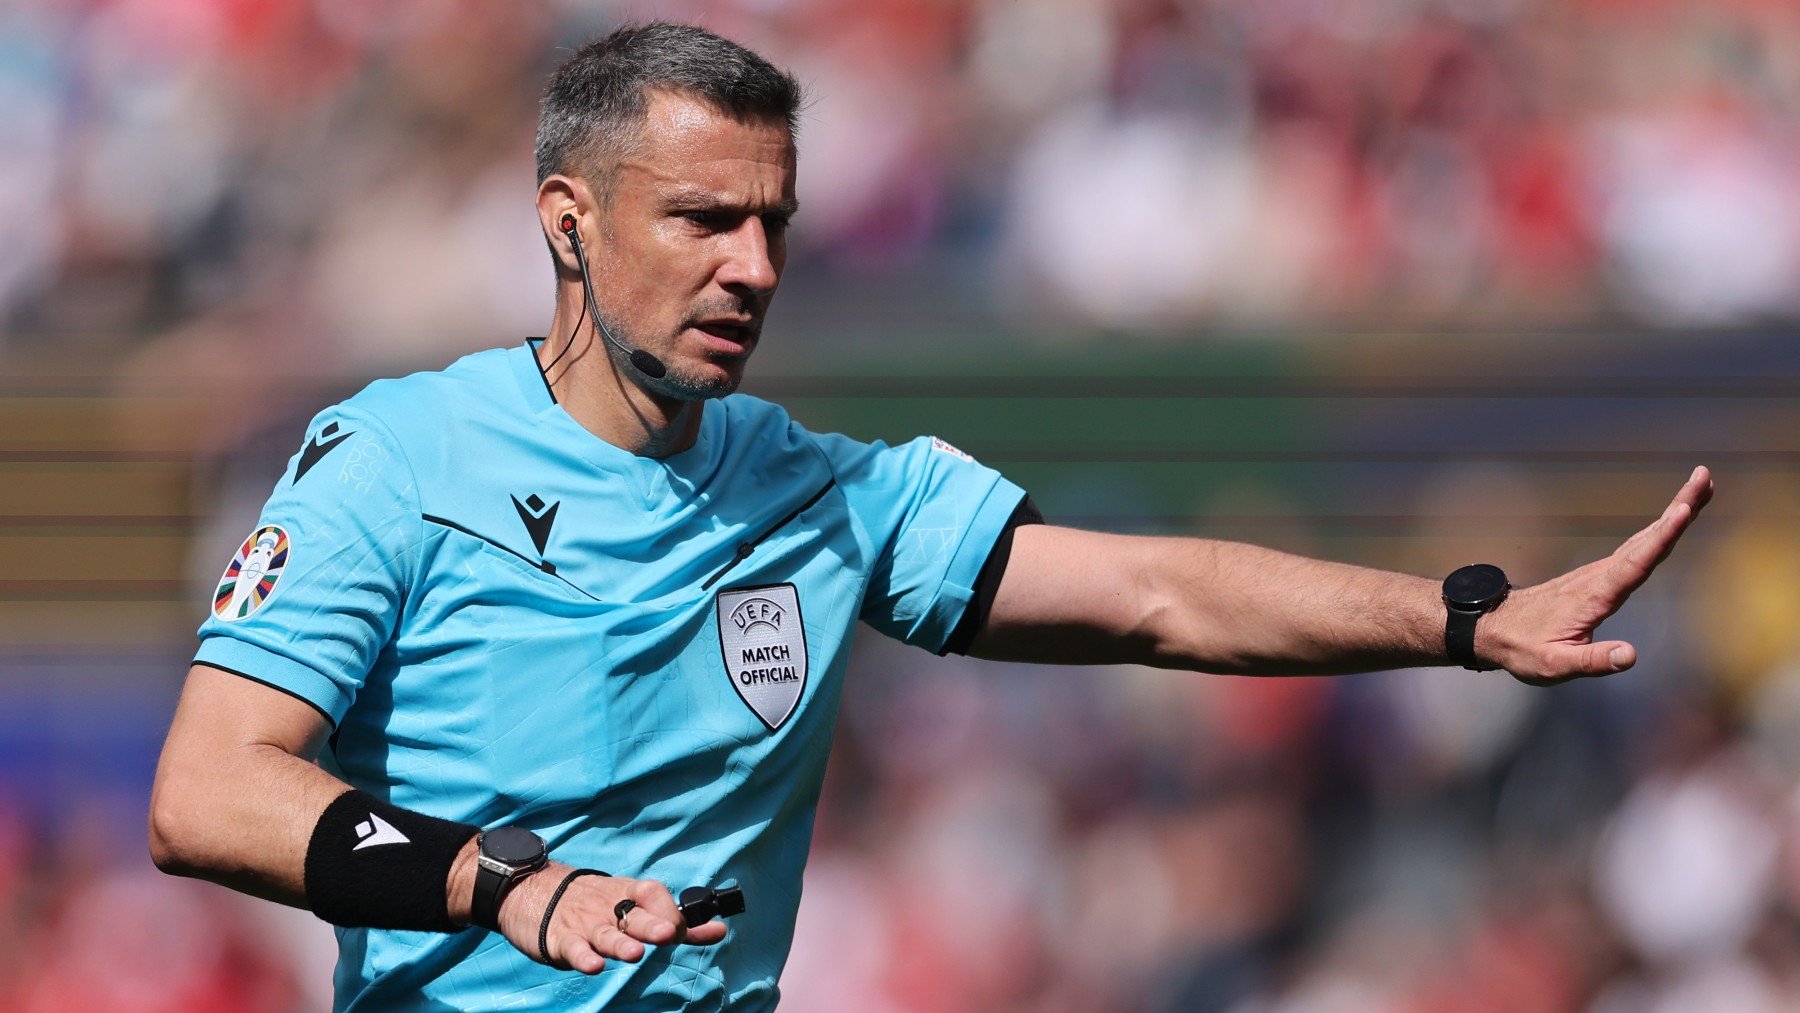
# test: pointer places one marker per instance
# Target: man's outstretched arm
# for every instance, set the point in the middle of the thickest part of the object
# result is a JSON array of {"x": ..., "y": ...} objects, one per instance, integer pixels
[{"x": 1078, "y": 597}]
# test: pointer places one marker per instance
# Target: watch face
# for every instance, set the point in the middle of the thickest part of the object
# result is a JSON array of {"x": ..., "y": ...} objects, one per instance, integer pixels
[
  {"x": 512, "y": 845},
  {"x": 1474, "y": 587}
]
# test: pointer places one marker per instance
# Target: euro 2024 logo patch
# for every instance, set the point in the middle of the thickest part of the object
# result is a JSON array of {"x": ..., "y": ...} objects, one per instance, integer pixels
[
  {"x": 764, "y": 642},
  {"x": 254, "y": 572}
]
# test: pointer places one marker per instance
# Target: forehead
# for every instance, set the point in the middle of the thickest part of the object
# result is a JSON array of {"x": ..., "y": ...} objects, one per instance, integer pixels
[{"x": 688, "y": 149}]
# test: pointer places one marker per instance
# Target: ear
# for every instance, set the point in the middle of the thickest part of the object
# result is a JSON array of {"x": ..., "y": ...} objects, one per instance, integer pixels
[{"x": 560, "y": 195}]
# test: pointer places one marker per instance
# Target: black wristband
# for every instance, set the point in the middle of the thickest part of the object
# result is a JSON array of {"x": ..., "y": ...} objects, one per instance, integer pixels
[
  {"x": 550, "y": 909},
  {"x": 375, "y": 865}
]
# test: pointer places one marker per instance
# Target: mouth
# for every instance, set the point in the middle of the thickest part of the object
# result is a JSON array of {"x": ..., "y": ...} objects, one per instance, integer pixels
[{"x": 728, "y": 336}]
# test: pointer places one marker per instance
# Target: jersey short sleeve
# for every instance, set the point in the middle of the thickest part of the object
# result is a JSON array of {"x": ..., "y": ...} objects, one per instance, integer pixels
[
  {"x": 933, "y": 514},
  {"x": 309, "y": 599}
]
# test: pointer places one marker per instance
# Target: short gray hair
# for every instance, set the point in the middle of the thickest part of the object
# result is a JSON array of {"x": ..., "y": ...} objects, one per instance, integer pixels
[{"x": 594, "y": 105}]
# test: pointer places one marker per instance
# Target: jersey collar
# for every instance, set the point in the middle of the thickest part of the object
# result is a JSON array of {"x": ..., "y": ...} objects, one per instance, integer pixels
[
  {"x": 696, "y": 461},
  {"x": 531, "y": 379}
]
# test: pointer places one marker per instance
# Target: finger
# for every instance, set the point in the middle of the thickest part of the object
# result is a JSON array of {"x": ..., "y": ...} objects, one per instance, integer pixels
[
  {"x": 656, "y": 919},
  {"x": 1577, "y": 661},
  {"x": 580, "y": 956},
  {"x": 707, "y": 933},
  {"x": 644, "y": 925},
  {"x": 1635, "y": 560},
  {"x": 1695, "y": 493},
  {"x": 1699, "y": 489},
  {"x": 610, "y": 942}
]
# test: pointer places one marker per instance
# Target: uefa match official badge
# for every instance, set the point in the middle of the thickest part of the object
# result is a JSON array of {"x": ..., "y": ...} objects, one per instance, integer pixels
[
  {"x": 764, "y": 641},
  {"x": 251, "y": 578}
]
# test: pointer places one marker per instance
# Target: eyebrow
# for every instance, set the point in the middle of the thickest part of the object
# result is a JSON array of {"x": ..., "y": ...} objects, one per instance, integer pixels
[{"x": 695, "y": 198}]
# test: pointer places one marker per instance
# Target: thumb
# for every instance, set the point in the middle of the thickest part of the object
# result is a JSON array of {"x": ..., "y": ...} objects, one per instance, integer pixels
[{"x": 1603, "y": 658}]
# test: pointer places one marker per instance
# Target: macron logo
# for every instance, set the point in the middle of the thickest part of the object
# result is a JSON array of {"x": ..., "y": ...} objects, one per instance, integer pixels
[{"x": 377, "y": 831}]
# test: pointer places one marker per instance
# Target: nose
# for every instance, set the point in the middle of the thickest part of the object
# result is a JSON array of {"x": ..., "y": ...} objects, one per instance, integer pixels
[{"x": 750, "y": 260}]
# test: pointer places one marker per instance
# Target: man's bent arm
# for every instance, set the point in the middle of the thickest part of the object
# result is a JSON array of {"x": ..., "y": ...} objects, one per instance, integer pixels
[
  {"x": 237, "y": 794},
  {"x": 237, "y": 798},
  {"x": 1087, "y": 598}
]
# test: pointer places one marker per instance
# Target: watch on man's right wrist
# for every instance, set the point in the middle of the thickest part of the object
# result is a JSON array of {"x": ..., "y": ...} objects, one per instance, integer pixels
[{"x": 1470, "y": 593}]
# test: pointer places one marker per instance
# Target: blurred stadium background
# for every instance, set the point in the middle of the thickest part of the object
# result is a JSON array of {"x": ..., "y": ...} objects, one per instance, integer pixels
[{"x": 1405, "y": 282}]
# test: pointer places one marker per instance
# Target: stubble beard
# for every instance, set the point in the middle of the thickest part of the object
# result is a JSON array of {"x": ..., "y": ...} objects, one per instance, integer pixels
[
  {"x": 687, "y": 387},
  {"x": 678, "y": 384}
]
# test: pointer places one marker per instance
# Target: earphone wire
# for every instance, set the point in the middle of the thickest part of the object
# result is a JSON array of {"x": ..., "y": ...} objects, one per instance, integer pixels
[
  {"x": 587, "y": 290},
  {"x": 574, "y": 332}
]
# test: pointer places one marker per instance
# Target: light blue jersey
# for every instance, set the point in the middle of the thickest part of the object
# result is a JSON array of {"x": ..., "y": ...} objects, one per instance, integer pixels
[{"x": 510, "y": 621}]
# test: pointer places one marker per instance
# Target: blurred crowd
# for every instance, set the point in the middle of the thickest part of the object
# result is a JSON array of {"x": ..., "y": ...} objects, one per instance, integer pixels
[
  {"x": 250, "y": 190},
  {"x": 115, "y": 934},
  {"x": 327, "y": 176}
]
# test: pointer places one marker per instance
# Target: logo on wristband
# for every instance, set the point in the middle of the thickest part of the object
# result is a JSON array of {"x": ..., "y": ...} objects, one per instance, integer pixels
[{"x": 376, "y": 831}]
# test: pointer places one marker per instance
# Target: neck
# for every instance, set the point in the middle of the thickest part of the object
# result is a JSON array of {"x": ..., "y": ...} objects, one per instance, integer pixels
[{"x": 604, "y": 395}]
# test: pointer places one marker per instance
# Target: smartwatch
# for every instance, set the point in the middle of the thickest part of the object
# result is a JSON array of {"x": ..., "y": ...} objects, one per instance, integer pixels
[
  {"x": 1469, "y": 594},
  {"x": 503, "y": 856}
]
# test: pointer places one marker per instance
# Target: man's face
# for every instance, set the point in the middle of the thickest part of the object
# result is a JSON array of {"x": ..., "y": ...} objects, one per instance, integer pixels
[{"x": 693, "y": 240}]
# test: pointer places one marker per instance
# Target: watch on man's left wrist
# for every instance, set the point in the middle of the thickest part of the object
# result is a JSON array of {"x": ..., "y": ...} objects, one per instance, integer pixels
[
  {"x": 503, "y": 856},
  {"x": 1470, "y": 593}
]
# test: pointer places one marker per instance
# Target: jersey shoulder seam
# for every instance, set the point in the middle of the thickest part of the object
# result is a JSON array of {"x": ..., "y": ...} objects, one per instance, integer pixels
[
  {"x": 861, "y": 530},
  {"x": 412, "y": 474}
]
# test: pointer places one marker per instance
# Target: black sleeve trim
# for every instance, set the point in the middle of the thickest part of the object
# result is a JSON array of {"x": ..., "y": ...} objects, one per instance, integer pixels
[
  {"x": 265, "y": 682},
  {"x": 987, "y": 585}
]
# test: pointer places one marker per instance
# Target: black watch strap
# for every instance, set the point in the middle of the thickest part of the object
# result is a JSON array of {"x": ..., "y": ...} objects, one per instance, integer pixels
[
  {"x": 1459, "y": 639},
  {"x": 490, "y": 889},
  {"x": 504, "y": 856}
]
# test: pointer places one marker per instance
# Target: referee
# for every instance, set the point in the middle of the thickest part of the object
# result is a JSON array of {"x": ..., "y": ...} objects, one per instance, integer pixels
[{"x": 517, "y": 646}]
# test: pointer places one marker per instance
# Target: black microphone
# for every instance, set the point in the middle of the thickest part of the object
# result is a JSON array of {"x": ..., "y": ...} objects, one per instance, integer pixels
[{"x": 640, "y": 360}]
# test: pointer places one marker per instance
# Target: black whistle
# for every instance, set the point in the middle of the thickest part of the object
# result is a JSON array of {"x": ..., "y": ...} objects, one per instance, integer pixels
[{"x": 701, "y": 904}]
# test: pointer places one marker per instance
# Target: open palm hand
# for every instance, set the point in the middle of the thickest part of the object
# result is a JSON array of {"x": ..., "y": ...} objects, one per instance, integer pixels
[{"x": 1544, "y": 634}]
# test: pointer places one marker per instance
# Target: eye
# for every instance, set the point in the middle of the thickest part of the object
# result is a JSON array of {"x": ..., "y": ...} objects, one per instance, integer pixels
[
  {"x": 712, "y": 221},
  {"x": 775, "y": 225}
]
